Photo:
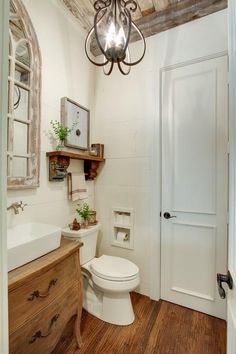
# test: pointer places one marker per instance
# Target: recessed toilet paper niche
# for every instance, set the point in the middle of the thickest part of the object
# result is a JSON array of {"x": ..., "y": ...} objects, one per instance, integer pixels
[{"x": 122, "y": 228}]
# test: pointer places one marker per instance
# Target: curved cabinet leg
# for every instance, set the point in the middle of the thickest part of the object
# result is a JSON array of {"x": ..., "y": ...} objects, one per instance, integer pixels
[
  {"x": 77, "y": 332},
  {"x": 77, "y": 328}
]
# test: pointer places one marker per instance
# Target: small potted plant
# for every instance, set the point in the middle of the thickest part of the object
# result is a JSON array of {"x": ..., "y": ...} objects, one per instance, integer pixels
[
  {"x": 60, "y": 132},
  {"x": 84, "y": 212}
]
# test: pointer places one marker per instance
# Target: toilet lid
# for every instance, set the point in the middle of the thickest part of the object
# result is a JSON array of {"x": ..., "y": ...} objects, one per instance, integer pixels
[{"x": 114, "y": 268}]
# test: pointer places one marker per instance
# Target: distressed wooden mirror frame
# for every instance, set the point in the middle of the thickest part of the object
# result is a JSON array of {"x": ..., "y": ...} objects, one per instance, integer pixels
[{"x": 32, "y": 157}]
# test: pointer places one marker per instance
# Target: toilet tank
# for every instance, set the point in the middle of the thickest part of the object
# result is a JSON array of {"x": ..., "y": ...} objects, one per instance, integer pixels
[{"x": 89, "y": 239}]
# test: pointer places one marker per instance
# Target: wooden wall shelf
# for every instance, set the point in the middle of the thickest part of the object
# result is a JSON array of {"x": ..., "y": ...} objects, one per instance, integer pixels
[{"x": 59, "y": 162}]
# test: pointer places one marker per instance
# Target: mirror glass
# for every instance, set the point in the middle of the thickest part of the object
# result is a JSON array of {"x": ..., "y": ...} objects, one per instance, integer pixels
[
  {"x": 22, "y": 75},
  {"x": 20, "y": 138},
  {"x": 20, "y": 166},
  {"x": 23, "y": 53},
  {"x": 16, "y": 27},
  {"x": 21, "y": 103}
]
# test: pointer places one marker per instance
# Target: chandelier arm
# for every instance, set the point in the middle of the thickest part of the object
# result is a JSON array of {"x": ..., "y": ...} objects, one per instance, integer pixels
[
  {"x": 110, "y": 70},
  {"x": 127, "y": 55},
  {"x": 129, "y": 67},
  {"x": 131, "y": 4},
  {"x": 121, "y": 70},
  {"x": 127, "y": 13},
  {"x": 114, "y": 8},
  {"x": 144, "y": 47},
  {"x": 86, "y": 52},
  {"x": 101, "y": 4},
  {"x": 95, "y": 30}
]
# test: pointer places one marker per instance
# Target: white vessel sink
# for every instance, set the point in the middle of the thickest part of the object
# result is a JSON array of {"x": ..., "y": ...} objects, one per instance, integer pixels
[{"x": 29, "y": 241}]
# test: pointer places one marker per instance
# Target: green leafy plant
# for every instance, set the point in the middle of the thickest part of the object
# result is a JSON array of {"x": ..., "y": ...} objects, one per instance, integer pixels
[
  {"x": 84, "y": 211},
  {"x": 59, "y": 130}
]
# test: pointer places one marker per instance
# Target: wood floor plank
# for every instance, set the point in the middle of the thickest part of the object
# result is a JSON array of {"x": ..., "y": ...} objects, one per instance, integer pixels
[{"x": 159, "y": 328}]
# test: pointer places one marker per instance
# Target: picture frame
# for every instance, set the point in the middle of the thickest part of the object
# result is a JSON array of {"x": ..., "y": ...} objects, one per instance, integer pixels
[
  {"x": 77, "y": 118},
  {"x": 100, "y": 149}
]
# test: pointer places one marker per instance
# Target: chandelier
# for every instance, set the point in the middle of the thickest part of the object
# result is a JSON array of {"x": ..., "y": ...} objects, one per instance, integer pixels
[{"x": 111, "y": 34}]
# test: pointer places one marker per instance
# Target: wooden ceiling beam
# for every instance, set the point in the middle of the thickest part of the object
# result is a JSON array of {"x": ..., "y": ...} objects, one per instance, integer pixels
[
  {"x": 176, "y": 14},
  {"x": 137, "y": 14},
  {"x": 146, "y": 7},
  {"x": 160, "y": 5},
  {"x": 83, "y": 10}
]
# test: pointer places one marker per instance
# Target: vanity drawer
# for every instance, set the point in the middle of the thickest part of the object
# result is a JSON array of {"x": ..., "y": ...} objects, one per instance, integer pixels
[
  {"x": 41, "y": 334},
  {"x": 30, "y": 298}
]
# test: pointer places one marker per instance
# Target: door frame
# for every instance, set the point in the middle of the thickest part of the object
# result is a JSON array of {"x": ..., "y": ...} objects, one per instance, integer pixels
[
  {"x": 231, "y": 340},
  {"x": 4, "y": 38}
]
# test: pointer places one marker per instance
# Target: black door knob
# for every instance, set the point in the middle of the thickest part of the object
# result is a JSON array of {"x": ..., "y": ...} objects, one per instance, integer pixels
[
  {"x": 168, "y": 216},
  {"x": 221, "y": 278}
]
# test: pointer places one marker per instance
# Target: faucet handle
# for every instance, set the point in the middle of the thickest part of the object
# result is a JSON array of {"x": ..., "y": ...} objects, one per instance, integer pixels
[{"x": 22, "y": 205}]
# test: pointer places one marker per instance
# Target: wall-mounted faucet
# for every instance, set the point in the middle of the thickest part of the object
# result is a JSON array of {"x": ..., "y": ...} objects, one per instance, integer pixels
[{"x": 16, "y": 206}]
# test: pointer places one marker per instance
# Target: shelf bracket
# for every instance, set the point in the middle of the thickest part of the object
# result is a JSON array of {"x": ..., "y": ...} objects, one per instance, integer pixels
[
  {"x": 58, "y": 166},
  {"x": 90, "y": 169}
]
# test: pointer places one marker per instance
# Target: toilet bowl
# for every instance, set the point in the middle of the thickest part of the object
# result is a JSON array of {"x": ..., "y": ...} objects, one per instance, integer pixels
[
  {"x": 107, "y": 280},
  {"x": 114, "y": 278}
]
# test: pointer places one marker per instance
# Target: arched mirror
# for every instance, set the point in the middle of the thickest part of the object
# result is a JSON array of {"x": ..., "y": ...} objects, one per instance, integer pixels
[{"x": 24, "y": 85}]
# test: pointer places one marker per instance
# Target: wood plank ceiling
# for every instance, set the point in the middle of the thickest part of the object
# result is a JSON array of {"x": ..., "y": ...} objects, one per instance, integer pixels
[{"x": 152, "y": 16}]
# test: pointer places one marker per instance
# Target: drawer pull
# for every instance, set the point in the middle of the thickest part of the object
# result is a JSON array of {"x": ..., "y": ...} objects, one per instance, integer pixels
[
  {"x": 39, "y": 334},
  {"x": 37, "y": 294}
]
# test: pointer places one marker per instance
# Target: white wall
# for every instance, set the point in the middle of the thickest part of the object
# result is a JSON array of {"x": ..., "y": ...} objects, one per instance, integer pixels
[
  {"x": 127, "y": 121},
  {"x": 65, "y": 72}
]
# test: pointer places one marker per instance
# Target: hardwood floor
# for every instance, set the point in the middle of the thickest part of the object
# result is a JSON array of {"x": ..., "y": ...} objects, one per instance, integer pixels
[{"x": 159, "y": 327}]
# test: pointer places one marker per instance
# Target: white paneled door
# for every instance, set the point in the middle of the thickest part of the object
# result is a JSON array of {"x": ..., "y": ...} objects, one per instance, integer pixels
[{"x": 194, "y": 184}]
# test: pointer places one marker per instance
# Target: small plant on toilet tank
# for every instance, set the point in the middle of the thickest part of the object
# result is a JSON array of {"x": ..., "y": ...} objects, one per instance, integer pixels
[{"x": 84, "y": 212}]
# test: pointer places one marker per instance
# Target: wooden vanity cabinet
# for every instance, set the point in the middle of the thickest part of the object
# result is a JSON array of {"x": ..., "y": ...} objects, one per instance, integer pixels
[{"x": 44, "y": 296}]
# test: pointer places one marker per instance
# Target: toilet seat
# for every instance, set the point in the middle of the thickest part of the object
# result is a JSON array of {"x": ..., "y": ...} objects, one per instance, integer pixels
[{"x": 114, "y": 268}]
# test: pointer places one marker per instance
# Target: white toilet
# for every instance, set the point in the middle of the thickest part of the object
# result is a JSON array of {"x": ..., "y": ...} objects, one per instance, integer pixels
[{"x": 107, "y": 280}]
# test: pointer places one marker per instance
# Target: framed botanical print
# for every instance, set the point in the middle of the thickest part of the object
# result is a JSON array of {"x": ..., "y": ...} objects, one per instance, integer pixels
[{"x": 77, "y": 118}]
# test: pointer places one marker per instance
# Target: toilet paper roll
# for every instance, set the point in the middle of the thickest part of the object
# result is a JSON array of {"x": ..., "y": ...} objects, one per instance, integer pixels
[{"x": 122, "y": 236}]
